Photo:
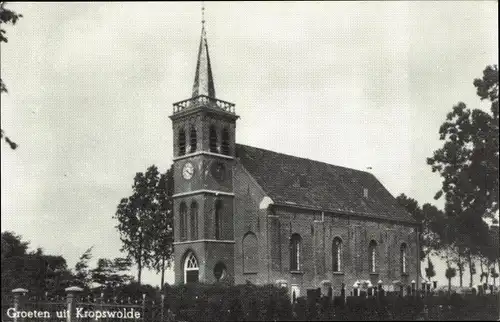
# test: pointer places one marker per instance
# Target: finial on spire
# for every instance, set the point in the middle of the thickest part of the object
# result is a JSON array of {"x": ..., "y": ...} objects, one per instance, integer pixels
[
  {"x": 203, "y": 81},
  {"x": 203, "y": 13}
]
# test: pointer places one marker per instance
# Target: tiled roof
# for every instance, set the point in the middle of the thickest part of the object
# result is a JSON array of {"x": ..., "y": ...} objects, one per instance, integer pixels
[{"x": 306, "y": 183}]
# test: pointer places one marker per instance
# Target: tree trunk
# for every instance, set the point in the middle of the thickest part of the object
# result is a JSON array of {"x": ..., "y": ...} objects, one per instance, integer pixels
[
  {"x": 139, "y": 261},
  {"x": 139, "y": 266},
  {"x": 460, "y": 269},
  {"x": 470, "y": 270},
  {"x": 482, "y": 270},
  {"x": 162, "y": 272},
  {"x": 139, "y": 270},
  {"x": 449, "y": 286}
]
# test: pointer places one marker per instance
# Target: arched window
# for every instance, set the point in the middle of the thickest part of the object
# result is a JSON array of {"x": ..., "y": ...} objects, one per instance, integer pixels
[
  {"x": 373, "y": 256},
  {"x": 218, "y": 219},
  {"x": 194, "y": 221},
  {"x": 213, "y": 139},
  {"x": 192, "y": 140},
  {"x": 191, "y": 268},
  {"x": 225, "y": 142},
  {"x": 183, "y": 220},
  {"x": 337, "y": 254},
  {"x": 403, "y": 258},
  {"x": 295, "y": 252},
  {"x": 182, "y": 142},
  {"x": 250, "y": 253}
]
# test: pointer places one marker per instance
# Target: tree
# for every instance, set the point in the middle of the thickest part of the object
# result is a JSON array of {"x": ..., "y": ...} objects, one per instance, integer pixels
[
  {"x": 472, "y": 270},
  {"x": 459, "y": 260},
  {"x": 33, "y": 270},
  {"x": 163, "y": 225},
  {"x": 450, "y": 273},
  {"x": 143, "y": 221},
  {"x": 83, "y": 277},
  {"x": 101, "y": 273},
  {"x": 110, "y": 273},
  {"x": 429, "y": 270},
  {"x": 468, "y": 160},
  {"x": 6, "y": 17},
  {"x": 412, "y": 207},
  {"x": 433, "y": 223},
  {"x": 484, "y": 273},
  {"x": 494, "y": 275},
  {"x": 12, "y": 245},
  {"x": 468, "y": 165}
]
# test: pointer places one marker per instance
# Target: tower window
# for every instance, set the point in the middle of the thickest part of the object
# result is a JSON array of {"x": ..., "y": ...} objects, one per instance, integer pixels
[
  {"x": 295, "y": 250},
  {"x": 192, "y": 139},
  {"x": 373, "y": 256},
  {"x": 182, "y": 142},
  {"x": 403, "y": 258},
  {"x": 218, "y": 219},
  {"x": 213, "y": 139},
  {"x": 194, "y": 221},
  {"x": 337, "y": 254},
  {"x": 183, "y": 220},
  {"x": 225, "y": 142}
]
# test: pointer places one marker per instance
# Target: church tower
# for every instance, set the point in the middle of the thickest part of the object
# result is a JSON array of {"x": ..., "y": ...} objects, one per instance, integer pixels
[{"x": 204, "y": 150}]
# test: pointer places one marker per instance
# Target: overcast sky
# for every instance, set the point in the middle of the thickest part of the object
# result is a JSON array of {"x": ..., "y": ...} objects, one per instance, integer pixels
[{"x": 91, "y": 86}]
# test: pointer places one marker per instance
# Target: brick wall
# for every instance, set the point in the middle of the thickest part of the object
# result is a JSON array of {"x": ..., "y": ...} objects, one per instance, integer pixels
[{"x": 278, "y": 225}]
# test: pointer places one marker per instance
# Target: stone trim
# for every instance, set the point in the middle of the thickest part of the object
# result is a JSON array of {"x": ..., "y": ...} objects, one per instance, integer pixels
[
  {"x": 189, "y": 155},
  {"x": 214, "y": 192},
  {"x": 223, "y": 241}
]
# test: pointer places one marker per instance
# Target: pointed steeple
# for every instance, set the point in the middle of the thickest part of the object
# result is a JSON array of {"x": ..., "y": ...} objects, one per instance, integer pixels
[{"x": 203, "y": 80}]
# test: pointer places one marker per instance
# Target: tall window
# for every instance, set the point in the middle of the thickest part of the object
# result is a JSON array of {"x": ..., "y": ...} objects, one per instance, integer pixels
[
  {"x": 182, "y": 142},
  {"x": 218, "y": 219},
  {"x": 337, "y": 254},
  {"x": 373, "y": 256},
  {"x": 250, "y": 253},
  {"x": 213, "y": 139},
  {"x": 403, "y": 258},
  {"x": 192, "y": 139},
  {"x": 225, "y": 142},
  {"x": 194, "y": 221},
  {"x": 295, "y": 247},
  {"x": 183, "y": 220}
]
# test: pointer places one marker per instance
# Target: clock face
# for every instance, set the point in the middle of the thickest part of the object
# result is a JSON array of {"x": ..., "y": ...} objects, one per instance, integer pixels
[
  {"x": 188, "y": 171},
  {"x": 218, "y": 171}
]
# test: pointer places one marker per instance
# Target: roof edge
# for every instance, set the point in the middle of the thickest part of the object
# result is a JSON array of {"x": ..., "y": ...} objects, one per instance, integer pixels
[
  {"x": 308, "y": 159},
  {"x": 355, "y": 214},
  {"x": 265, "y": 193}
]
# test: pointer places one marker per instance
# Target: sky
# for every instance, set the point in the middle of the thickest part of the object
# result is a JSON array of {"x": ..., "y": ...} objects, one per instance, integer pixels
[{"x": 355, "y": 84}]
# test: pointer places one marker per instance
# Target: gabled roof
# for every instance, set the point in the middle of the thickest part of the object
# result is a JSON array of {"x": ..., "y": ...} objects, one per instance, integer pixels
[{"x": 300, "y": 182}]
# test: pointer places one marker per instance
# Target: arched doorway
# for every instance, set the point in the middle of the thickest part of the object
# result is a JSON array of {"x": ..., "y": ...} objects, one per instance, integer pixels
[{"x": 191, "y": 269}]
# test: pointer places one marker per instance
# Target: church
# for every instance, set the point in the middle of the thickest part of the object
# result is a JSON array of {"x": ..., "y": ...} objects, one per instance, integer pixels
[{"x": 247, "y": 214}]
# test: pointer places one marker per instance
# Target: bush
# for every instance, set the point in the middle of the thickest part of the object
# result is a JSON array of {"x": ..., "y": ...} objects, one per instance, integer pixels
[{"x": 202, "y": 302}]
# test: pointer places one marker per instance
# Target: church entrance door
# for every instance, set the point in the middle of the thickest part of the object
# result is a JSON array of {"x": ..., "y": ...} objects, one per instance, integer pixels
[{"x": 191, "y": 269}]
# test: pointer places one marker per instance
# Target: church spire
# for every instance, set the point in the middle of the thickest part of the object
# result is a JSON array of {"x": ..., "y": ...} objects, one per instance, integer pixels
[{"x": 203, "y": 80}]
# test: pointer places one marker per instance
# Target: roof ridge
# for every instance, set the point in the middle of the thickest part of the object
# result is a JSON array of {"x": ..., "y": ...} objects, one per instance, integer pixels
[{"x": 304, "y": 158}]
